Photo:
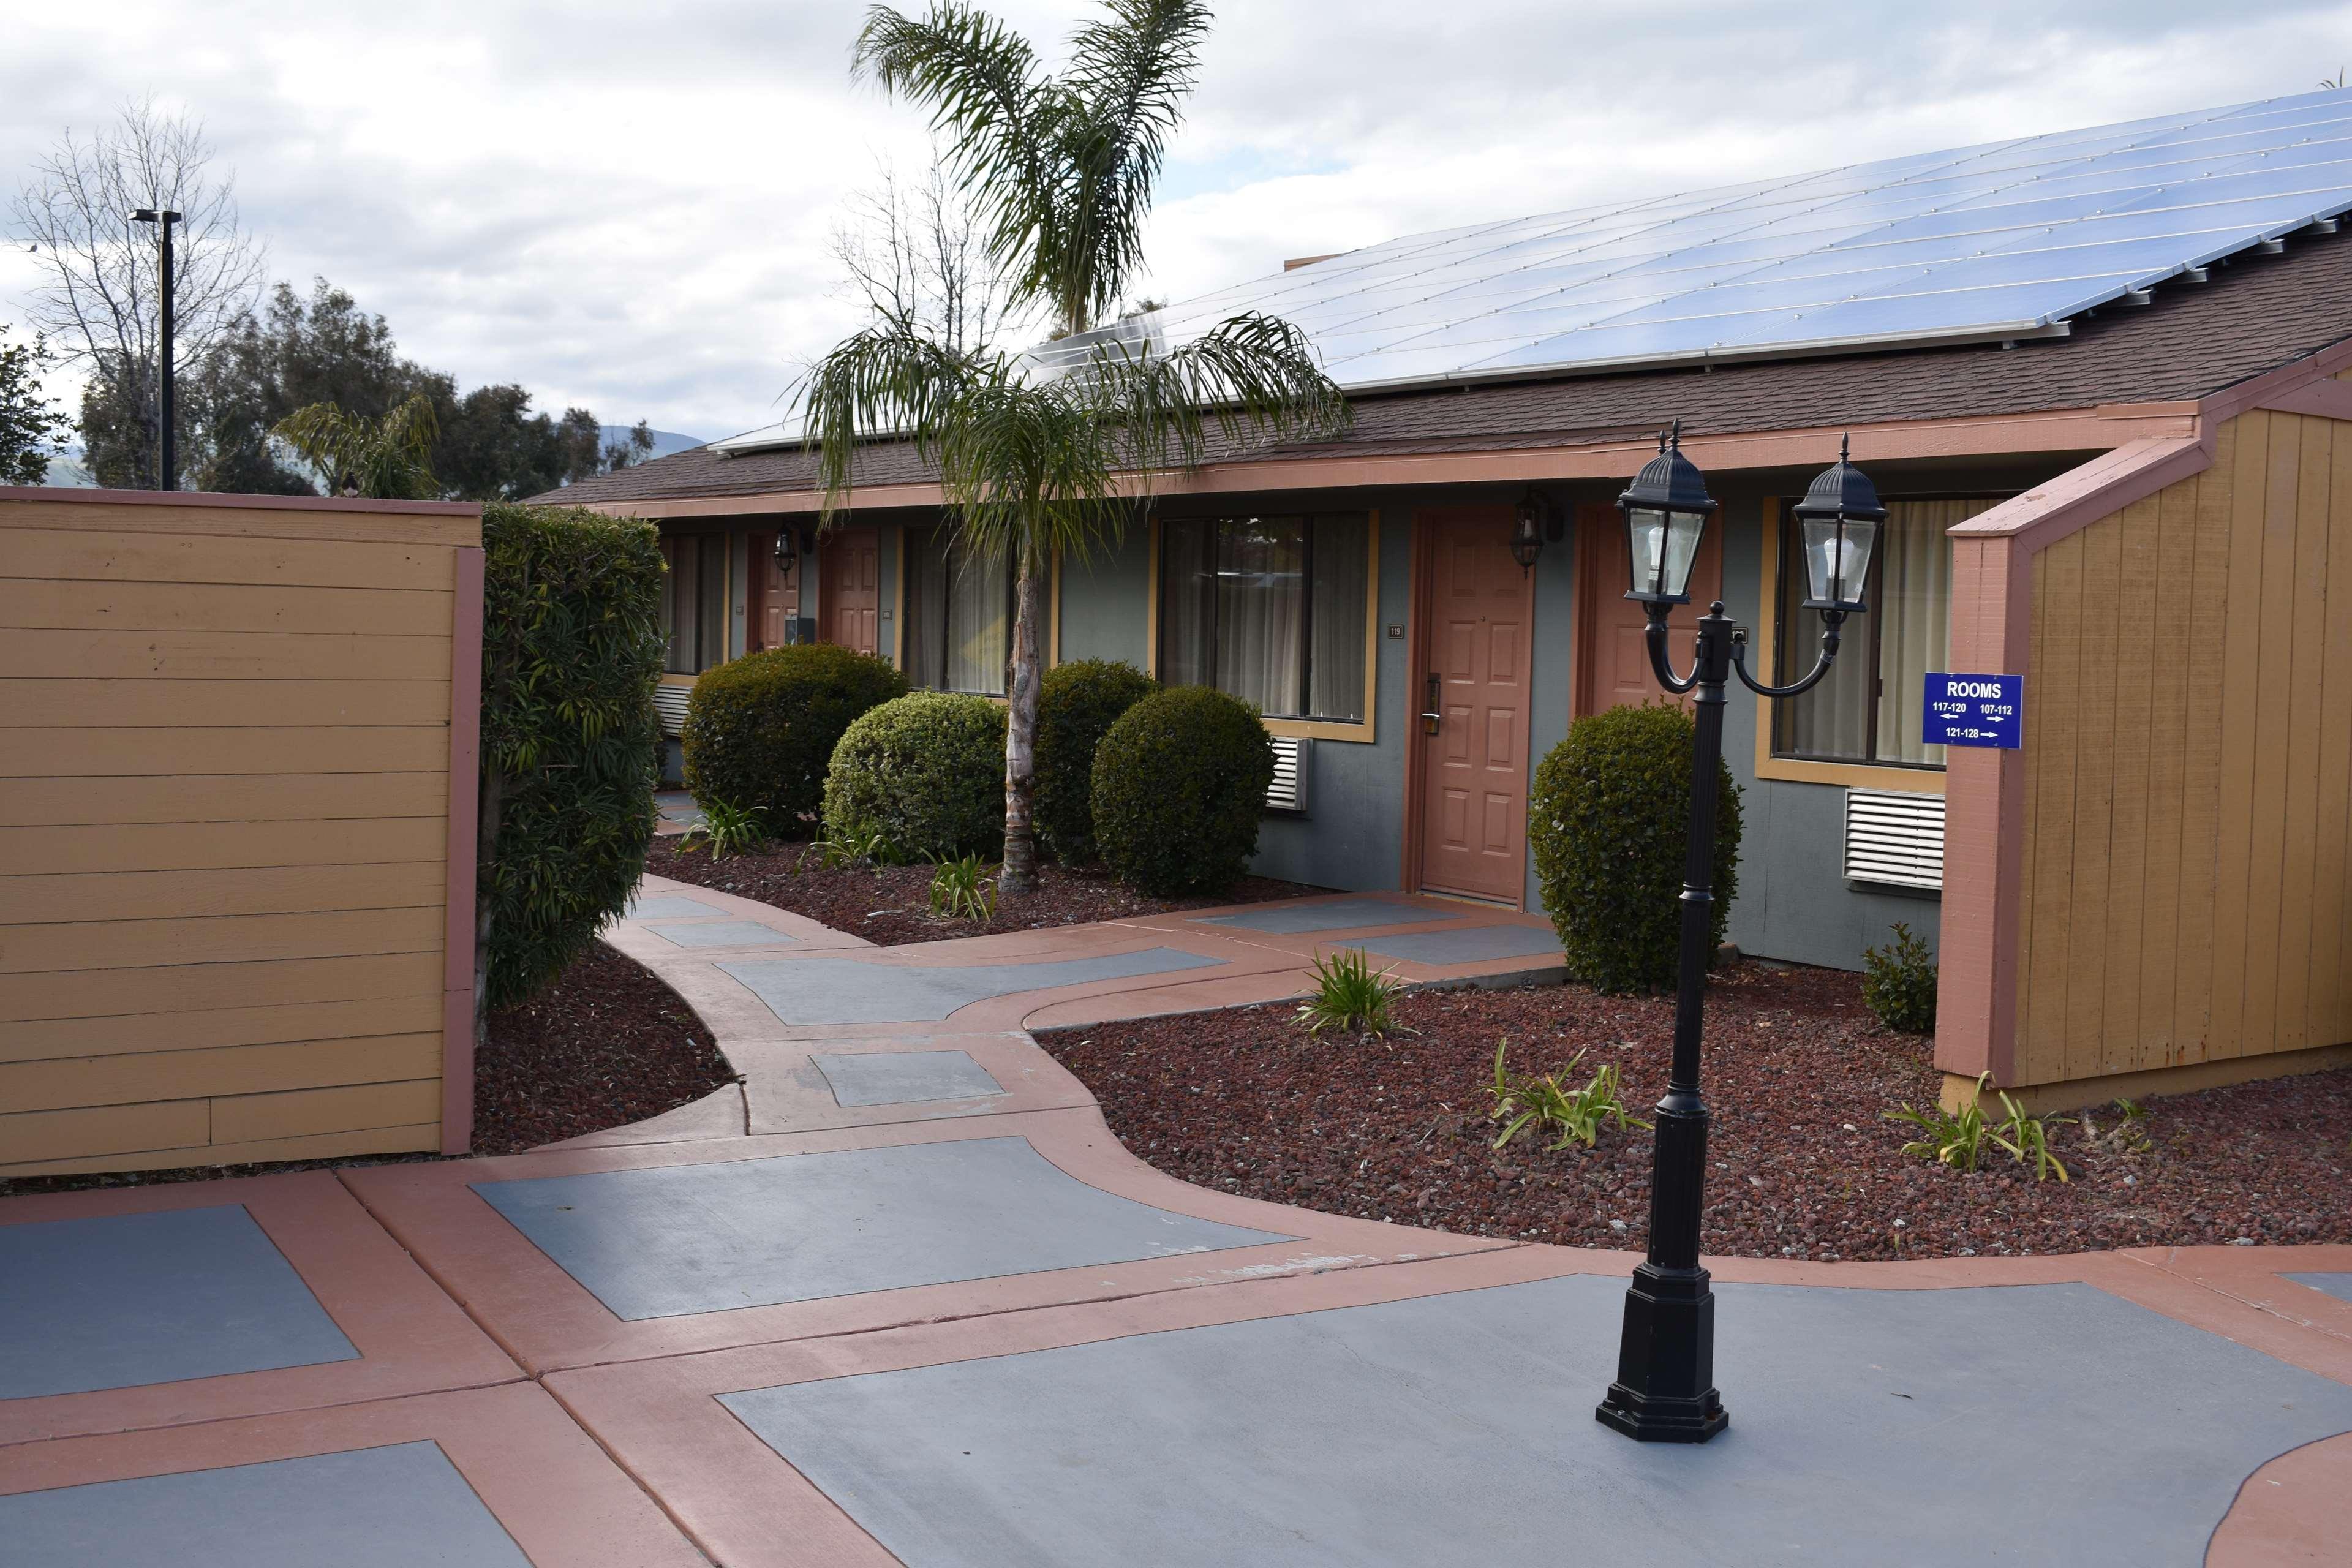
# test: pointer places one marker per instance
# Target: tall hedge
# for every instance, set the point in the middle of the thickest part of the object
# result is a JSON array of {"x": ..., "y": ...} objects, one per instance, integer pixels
[
  {"x": 1609, "y": 822},
  {"x": 1180, "y": 786},
  {"x": 925, "y": 772},
  {"x": 571, "y": 650},
  {"x": 1076, "y": 705},
  {"x": 760, "y": 731}
]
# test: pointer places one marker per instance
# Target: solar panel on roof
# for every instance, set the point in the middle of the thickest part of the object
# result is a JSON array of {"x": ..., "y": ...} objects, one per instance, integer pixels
[{"x": 2006, "y": 239}]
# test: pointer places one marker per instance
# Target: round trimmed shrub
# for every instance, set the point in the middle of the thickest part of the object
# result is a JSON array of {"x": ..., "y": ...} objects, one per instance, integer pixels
[
  {"x": 760, "y": 731},
  {"x": 1076, "y": 705},
  {"x": 1610, "y": 824},
  {"x": 925, "y": 772},
  {"x": 1179, "y": 783}
]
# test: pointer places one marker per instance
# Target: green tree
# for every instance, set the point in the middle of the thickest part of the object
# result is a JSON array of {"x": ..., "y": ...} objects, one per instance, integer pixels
[
  {"x": 30, "y": 421},
  {"x": 1043, "y": 456},
  {"x": 389, "y": 458}
]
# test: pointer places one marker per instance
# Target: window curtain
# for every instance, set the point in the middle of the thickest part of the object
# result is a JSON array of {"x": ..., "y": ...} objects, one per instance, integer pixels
[
  {"x": 694, "y": 603},
  {"x": 710, "y": 604},
  {"x": 927, "y": 609},
  {"x": 1915, "y": 586},
  {"x": 1188, "y": 606},
  {"x": 1261, "y": 612},
  {"x": 1335, "y": 663},
  {"x": 979, "y": 622}
]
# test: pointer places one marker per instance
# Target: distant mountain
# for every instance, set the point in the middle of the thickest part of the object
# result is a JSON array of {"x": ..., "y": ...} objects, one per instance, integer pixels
[{"x": 664, "y": 441}]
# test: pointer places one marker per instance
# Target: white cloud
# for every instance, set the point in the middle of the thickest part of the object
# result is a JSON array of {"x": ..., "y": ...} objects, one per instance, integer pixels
[{"x": 627, "y": 206}]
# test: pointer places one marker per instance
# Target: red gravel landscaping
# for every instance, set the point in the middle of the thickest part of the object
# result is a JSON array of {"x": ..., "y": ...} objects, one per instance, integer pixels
[
  {"x": 890, "y": 905},
  {"x": 606, "y": 1045},
  {"x": 1803, "y": 1165}
]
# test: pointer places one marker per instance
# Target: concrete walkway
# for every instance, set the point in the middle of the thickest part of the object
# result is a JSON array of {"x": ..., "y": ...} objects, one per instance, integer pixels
[{"x": 899, "y": 1297}]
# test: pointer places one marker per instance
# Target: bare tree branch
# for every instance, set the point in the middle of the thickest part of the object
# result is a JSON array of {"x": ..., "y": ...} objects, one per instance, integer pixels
[
  {"x": 99, "y": 299},
  {"x": 913, "y": 258}
]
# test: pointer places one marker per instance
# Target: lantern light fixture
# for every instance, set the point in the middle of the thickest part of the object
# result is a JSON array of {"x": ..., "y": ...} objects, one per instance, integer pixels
[
  {"x": 1666, "y": 509},
  {"x": 1527, "y": 530},
  {"x": 788, "y": 549},
  {"x": 1838, "y": 523}
]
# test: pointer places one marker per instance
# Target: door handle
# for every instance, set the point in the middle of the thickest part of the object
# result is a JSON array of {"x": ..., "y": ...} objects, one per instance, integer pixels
[{"x": 1432, "y": 718}]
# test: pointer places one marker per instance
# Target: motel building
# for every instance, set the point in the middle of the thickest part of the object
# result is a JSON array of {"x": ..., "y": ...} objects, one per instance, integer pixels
[{"x": 2098, "y": 378}]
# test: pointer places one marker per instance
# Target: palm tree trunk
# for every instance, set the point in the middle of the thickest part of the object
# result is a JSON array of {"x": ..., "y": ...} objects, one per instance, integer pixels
[{"x": 1018, "y": 875}]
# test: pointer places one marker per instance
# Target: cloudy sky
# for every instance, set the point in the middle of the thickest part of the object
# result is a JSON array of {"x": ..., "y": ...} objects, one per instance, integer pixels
[{"x": 628, "y": 205}]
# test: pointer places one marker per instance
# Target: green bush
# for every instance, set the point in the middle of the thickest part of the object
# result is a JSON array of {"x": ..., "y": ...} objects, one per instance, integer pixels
[
  {"x": 1180, "y": 783},
  {"x": 1609, "y": 822},
  {"x": 1076, "y": 705},
  {"x": 571, "y": 650},
  {"x": 760, "y": 731},
  {"x": 1899, "y": 982},
  {"x": 924, "y": 773}
]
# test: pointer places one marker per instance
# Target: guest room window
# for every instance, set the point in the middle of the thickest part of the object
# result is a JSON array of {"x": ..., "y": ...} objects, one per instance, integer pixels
[
  {"x": 1868, "y": 708},
  {"x": 694, "y": 603},
  {"x": 958, "y": 616},
  {"x": 1271, "y": 609}
]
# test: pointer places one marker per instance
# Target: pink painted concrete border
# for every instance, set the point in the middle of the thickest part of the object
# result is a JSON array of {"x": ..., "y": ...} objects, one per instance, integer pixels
[
  {"x": 545, "y": 1480},
  {"x": 549, "y": 1322},
  {"x": 465, "y": 818},
  {"x": 411, "y": 1338}
]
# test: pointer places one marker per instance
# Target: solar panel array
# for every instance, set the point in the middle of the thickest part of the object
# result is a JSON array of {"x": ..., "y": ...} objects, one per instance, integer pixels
[{"x": 1997, "y": 240}]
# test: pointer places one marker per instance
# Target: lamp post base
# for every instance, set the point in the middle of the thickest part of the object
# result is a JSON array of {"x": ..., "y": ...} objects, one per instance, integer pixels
[
  {"x": 1669, "y": 1341},
  {"x": 1674, "y": 1421}
]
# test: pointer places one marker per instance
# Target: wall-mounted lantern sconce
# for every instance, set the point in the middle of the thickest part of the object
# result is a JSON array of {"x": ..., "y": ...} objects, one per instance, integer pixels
[
  {"x": 788, "y": 549},
  {"x": 1534, "y": 525}
]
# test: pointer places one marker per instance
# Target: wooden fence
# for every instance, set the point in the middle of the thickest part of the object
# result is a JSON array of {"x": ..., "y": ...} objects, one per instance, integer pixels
[{"x": 237, "y": 749}]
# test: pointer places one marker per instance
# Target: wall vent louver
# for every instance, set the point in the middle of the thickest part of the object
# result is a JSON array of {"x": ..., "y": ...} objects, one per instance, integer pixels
[{"x": 1895, "y": 840}]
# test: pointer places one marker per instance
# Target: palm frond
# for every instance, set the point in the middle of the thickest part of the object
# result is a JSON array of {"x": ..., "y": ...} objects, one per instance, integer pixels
[
  {"x": 1252, "y": 379},
  {"x": 992, "y": 110},
  {"x": 882, "y": 380},
  {"x": 388, "y": 459},
  {"x": 1132, "y": 73}
]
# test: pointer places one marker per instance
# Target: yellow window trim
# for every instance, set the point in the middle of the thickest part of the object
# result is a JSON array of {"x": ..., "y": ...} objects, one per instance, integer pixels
[
  {"x": 1794, "y": 770},
  {"x": 1364, "y": 733}
]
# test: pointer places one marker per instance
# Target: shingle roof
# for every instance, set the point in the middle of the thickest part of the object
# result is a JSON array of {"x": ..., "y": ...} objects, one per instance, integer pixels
[{"x": 2256, "y": 314}]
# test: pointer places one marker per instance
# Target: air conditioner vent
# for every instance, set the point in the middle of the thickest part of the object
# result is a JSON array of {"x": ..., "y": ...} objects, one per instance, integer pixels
[
  {"x": 1895, "y": 840},
  {"x": 1289, "y": 791},
  {"x": 669, "y": 701}
]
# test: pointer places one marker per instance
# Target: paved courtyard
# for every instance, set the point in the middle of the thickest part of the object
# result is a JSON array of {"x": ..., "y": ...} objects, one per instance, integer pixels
[{"x": 899, "y": 1297}]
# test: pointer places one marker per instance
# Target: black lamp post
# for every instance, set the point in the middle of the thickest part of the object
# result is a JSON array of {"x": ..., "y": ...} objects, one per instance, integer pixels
[
  {"x": 1665, "y": 1391},
  {"x": 163, "y": 218}
]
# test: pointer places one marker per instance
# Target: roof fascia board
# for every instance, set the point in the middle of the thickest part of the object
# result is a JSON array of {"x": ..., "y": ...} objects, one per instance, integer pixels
[{"x": 2064, "y": 430}]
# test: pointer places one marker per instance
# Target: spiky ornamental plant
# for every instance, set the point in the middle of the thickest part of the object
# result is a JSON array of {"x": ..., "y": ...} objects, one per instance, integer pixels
[{"x": 1036, "y": 463}]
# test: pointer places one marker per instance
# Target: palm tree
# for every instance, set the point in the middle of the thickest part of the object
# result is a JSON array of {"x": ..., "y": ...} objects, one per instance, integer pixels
[
  {"x": 1039, "y": 457},
  {"x": 386, "y": 459}
]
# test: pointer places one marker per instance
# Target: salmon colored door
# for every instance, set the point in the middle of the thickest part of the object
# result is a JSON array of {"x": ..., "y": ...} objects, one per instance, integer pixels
[
  {"x": 1475, "y": 674},
  {"x": 849, "y": 579},
  {"x": 774, "y": 597},
  {"x": 1612, "y": 654}
]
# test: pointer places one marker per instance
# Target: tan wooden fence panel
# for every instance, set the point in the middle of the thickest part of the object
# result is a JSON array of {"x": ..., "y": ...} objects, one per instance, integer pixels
[
  {"x": 238, "y": 743},
  {"x": 2188, "y": 768}
]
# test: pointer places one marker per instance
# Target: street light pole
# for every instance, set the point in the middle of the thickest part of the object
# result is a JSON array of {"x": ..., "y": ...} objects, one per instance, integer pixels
[
  {"x": 1666, "y": 1391},
  {"x": 167, "y": 466}
]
